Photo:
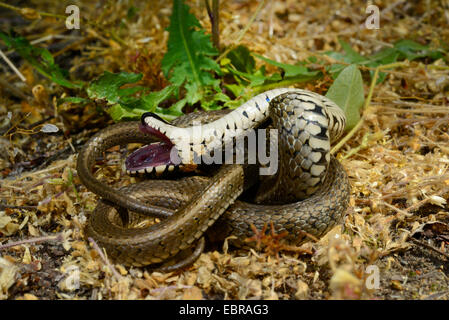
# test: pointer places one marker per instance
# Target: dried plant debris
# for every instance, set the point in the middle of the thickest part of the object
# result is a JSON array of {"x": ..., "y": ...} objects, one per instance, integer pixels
[{"x": 393, "y": 243}]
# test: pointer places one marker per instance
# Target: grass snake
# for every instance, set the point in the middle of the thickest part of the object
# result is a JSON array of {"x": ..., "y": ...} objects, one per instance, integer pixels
[{"x": 308, "y": 193}]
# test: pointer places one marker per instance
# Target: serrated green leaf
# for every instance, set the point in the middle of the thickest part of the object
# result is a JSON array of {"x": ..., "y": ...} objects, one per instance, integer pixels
[
  {"x": 347, "y": 93},
  {"x": 153, "y": 99},
  {"x": 130, "y": 91},
  {"x": 119, "y": 112},
  {"x": 124, "y": 105},
  {"x": 174, "y": 110},
  {"x": 188, "y": 59}
]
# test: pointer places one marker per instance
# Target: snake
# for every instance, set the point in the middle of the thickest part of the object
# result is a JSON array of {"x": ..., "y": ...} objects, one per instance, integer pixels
[{"x": 305, "y": 196}]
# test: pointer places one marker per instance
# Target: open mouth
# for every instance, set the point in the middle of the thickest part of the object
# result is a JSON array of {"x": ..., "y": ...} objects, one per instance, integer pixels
[{"x": 152, "y": 157}]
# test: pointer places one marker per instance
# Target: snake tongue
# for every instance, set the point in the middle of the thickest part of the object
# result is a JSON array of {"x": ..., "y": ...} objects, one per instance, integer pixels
[{"x": 152, "y": 155}]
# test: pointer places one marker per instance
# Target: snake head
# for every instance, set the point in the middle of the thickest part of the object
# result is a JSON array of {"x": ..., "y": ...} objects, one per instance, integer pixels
[
  {"x": 158, "y": 156},
  {"x": 178, "y": 146}
]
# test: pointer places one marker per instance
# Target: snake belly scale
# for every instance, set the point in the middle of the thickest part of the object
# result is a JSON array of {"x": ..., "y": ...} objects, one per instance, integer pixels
[{"x": 308, "y": 194}]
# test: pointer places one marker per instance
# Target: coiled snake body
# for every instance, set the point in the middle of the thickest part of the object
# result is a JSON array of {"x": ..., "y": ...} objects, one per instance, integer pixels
[{"x": 307, "y": 194}]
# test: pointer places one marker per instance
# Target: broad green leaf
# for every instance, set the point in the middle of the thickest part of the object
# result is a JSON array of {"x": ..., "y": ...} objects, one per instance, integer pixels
[
  {"x": 347, "y": 93},
  {"x": 132, "y": 12},
  {"x": 351, "y": 56},
  {"x": 412, "y": 50},
  {"x": 236, "y": 89},
  {"x": 107, "y": 86},
  {"x": 212, "y": 103},
  {"x": 385, "y": 56},
  {"x": 403, "y": 49},
  {"x": 335, "y": 69}
]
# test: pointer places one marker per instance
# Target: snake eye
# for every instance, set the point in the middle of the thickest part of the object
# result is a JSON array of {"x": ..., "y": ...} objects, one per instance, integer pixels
[{"x": 153, "y": 115}]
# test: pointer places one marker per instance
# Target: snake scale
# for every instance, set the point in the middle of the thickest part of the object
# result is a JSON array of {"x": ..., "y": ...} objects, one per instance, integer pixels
[{"x": 308, "y": 194}]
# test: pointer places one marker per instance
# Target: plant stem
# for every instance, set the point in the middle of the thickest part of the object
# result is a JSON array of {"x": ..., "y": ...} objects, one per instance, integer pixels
[
  {"x": 283, "y": 83},
  {"x": 367, "y": 102},
  {"x": 216, "y": 25},
  {"x": 7, "y": 6},
  {"x": 214, "y": 20},
  {"x": 242, "y": 33},
  {"x": 19, "y": 10}
]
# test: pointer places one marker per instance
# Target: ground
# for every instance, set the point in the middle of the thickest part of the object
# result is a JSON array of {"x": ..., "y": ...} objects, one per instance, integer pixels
[{"x": 393, "y": 241}]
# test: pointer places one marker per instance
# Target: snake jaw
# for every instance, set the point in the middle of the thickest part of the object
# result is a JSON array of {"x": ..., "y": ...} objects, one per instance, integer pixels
[
  {"x": 155, "y": 156},
  {"x": 173, "y": 136},
  {"x": 155, "y": 132}
]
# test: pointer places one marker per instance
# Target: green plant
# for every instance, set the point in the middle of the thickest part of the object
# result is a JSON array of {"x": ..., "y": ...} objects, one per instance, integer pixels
[
  {"x": 197, "y": 80},
  {"x": 41, "y": 59},
  {"x": 401, "y": 50}
]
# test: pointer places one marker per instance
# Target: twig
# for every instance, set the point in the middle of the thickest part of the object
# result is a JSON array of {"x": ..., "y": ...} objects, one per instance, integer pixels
[
  {"x": 349, "y": 135},
  {"x": 242, "y": 33},
  {"x": 104, "y": 258},
  {"x": 280, "y": 84},
  {"x": 46, "y": 170},
  {"x": 436, "y": 110},
  {"x": 429, "y": 247},
  {"x": 21, "y": 11},
  {"x": 437, "y": 295},
  {"x": 59, "y": 238},
  {"x": 8, "y": 206},
  {"x": 7, "y": 6},
  {"x": 13, "y": 90},
  {"x": 13, "y": 67},
  {"x": 162, "y": 290},
  {"x": 407, "y": 214},
  {"x": 51, "y": 37}
]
